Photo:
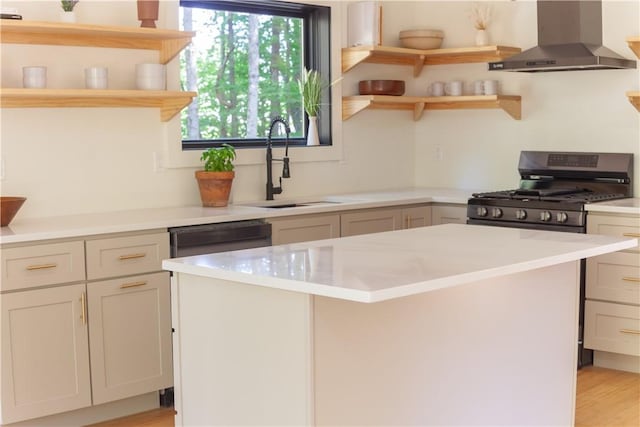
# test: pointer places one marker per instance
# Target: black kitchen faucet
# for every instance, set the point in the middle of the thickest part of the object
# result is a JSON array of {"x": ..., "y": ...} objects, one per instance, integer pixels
[{"x": 271, "y": 190}]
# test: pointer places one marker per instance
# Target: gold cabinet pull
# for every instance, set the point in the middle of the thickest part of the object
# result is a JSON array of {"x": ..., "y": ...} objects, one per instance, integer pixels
[
  {"x": 630, "y": 331},
  {"x": 133, "y": 284},
  {"x": 41, "y": 266},
  {"x": 131, "y": 256},
  {"x": 631, "y": 279},
  {"x": 408, "y": 221},
  {"x": 631, "y": 234},
  {"x": 83, "y": 308}
]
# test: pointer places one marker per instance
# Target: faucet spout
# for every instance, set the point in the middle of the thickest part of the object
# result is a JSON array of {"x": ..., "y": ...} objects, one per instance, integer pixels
[{"x": 271, "y": 189}]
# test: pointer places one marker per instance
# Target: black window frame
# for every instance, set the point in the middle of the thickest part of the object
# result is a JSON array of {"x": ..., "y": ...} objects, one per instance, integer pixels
[{"x": 317, "y": 56}]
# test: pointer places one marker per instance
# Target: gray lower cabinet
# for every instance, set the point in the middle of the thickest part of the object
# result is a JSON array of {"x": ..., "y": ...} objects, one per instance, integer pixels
[
  {"x": 69, "y": 341},
  {"x": 448, "y": 213},
  {"x": 612, "y": 307},
  {"x": 304, "y": 228},
  {"x": 370, "y": 221}
]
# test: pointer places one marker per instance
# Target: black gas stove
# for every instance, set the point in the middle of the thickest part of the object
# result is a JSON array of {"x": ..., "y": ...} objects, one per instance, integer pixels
[{"x": 554, "y": 189}]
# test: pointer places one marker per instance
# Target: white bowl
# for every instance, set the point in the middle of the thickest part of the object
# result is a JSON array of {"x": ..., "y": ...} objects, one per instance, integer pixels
[{"x": 421, "y": 39}]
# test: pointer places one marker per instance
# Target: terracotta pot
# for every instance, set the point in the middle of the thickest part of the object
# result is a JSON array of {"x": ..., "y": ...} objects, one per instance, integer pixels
[
  {"x": 215, "y": 187},
  {"x": 148, "y": 12}
]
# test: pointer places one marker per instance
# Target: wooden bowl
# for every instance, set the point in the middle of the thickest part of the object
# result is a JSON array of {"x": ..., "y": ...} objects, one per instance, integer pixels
[
  {"x": 381, "y": 87},
  {"x": 9, "y": 206},
  {"x": 421, "y": 39}
]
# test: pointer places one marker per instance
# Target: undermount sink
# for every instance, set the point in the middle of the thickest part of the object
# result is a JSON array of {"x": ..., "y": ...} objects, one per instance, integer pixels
[{"x": 283, "y": 205}]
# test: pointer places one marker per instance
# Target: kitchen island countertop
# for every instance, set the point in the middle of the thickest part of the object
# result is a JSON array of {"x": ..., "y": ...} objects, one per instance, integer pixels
[{"x": 381, "y": 266}]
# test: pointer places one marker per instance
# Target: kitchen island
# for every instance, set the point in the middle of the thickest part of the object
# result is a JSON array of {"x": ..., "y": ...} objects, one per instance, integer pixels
[{"x": 452, "y": 324}]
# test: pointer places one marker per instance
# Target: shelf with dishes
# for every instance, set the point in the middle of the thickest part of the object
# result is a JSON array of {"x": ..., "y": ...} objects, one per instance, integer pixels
[
  {"x": 170, "y": 103},
  {"x": 352, "y": 105},
  {"x": 416, "y": 58},
  {"x": 167, "y": 42}
]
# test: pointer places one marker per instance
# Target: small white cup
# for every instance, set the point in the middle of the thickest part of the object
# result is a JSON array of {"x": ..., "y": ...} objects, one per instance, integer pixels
[
  {"x": 151, "y": 77},
  {"x": 478, "y": 87},
  {"x": 490, "y": 87},
  {"x": 436, "y": 89},
  {"x": 34, "y": 77},
  {"x": 453, "y": 88},
  {"x": 96, "y": 77}
]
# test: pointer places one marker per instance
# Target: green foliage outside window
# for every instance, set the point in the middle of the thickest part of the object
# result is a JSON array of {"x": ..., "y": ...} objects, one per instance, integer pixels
[{"x": 245, "y": 68}]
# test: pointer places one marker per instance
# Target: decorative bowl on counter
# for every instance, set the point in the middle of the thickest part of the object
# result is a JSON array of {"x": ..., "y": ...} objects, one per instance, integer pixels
[
  {"x": 9, "y": 206},
  {"x": 381, "y": 87},
  {"x": 421, "y": 39}
]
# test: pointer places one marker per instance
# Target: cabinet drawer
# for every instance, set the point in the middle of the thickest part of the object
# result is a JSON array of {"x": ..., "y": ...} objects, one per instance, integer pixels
[
  {"x": 612, "y": 327},
  {"x": 123, "y": 256},
  {"x": 619, "y": 226},
  {"x": 41, "y": 265},
  {"x": 614, "y": 277}
]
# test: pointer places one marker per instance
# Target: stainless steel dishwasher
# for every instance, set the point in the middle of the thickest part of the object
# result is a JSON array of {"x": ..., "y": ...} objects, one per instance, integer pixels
[
  {"x": 212, "y": 238},
  {"x": 219, "y": 237}
]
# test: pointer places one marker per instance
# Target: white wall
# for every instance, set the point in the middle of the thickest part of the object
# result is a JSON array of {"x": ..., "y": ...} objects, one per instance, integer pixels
[
  {"x": 576, "y": 111},
  {"x": 71, "y": 160}
]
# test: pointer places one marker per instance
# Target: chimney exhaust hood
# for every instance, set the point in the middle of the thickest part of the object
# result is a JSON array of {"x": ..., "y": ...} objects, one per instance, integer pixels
[{"x": 569, "y": 38}]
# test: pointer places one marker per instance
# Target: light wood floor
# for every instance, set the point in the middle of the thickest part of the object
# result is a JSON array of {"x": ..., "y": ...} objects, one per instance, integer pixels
[{"x": 605, "y": 398}]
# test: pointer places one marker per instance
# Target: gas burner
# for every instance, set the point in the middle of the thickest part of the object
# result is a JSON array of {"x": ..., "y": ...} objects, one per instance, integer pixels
[{"x": 552, "y": 194}]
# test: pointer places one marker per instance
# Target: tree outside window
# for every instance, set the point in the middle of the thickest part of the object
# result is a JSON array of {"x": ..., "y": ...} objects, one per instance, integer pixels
[{"x": 244, "y": 63}]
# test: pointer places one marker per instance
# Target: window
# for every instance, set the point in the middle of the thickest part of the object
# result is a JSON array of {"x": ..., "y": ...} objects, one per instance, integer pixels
[{"x": 245, "y": 62}]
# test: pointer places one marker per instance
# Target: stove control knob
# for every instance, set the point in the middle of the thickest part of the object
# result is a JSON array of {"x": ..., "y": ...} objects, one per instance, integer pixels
[
  {"x": 496, "y": 212},
  {"x": 562, "y": 217},
  {"x": 545, "y": 216},
  {"x": 521, "y": 214},
  {"x": 482, "y": 211}
]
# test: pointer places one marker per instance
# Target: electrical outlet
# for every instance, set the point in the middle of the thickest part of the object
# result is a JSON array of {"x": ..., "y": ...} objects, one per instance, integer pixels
[
  {"x": 2, "y": 169},
  {"x": 157, "y": 162},
  {"x": 439, "y": 153}
]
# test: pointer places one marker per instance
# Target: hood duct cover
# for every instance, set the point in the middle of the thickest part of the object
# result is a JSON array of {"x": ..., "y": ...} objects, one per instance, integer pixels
[{"x": 569, "y": 38}]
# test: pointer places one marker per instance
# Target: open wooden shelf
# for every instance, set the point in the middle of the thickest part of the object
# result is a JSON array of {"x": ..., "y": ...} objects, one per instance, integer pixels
[
  {"x": 167, "y": 42},
  {"x": 352, "y": 105},
  {"x": 634, "y": 99},
  {"x": 352, "y": 56},
  {"x": 169, "y": 102},
  {"x": 634, "y": 45}
]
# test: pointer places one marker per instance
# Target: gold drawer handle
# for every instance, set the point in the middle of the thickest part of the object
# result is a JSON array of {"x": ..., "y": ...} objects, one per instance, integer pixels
[
  {"x": 131, "y": 256},
  {"x": 133, "y": 284},
  {"x": 630, "y": 331},
  {"x": 41, "y": 266},
  {"x": 631, "y": 279},
  {"x": 631, "y": 234},
  {"x": 83, "y": 308}
]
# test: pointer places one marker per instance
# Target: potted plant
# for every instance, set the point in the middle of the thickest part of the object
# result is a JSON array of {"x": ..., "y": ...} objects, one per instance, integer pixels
[
  {"x": 215, "y": 180},
  {"x": 68, "y": 14},
  {"x": 310, "y": 86}
]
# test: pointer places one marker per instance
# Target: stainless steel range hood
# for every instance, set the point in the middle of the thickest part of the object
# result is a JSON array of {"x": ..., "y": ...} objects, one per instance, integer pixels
[{"x": 569, "y": 38}]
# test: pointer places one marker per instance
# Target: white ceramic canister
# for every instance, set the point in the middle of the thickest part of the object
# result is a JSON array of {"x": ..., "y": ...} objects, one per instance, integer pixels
[
  {"x": 151, "y": 77},
  {"x": 96, "y": 78},
  {"x": 34, "y": 77}
]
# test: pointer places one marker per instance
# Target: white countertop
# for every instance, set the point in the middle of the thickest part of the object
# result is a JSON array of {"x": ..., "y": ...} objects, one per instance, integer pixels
[
  {"x": 380, "y": 266},
  {"x": 29, "y": 230},
  {"x": 621, "y": 206}
]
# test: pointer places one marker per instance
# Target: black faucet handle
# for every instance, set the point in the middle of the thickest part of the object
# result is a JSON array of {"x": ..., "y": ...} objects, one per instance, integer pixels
[{"x": 286, "y": 173}]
